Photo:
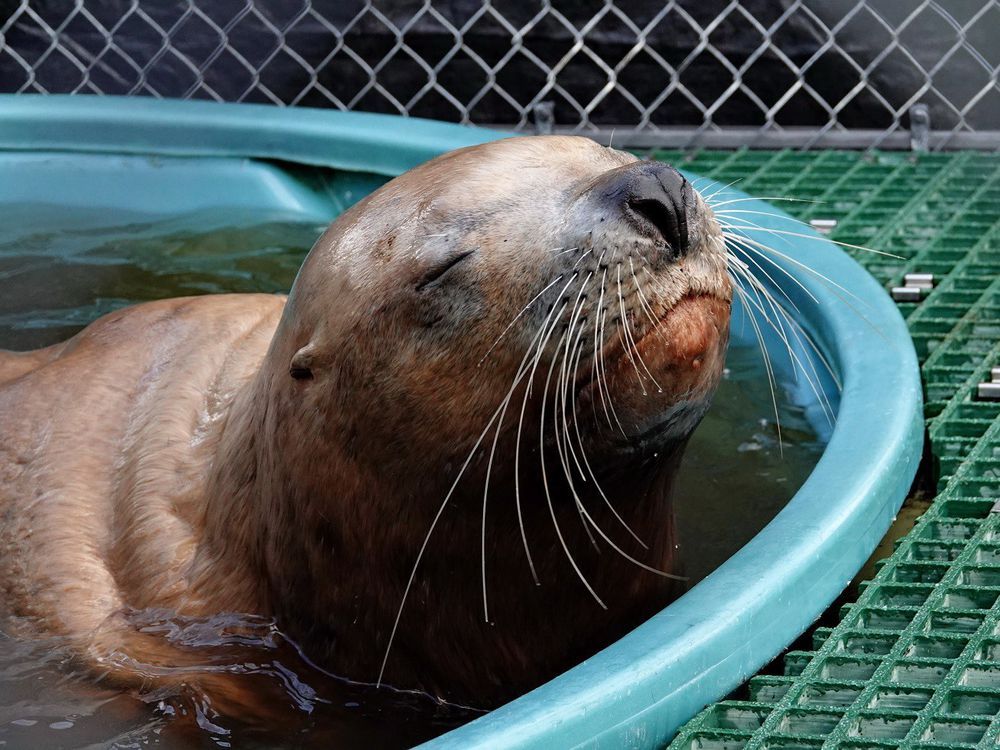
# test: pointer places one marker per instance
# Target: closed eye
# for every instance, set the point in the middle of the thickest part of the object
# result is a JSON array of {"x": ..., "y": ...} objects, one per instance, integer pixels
[{"x": 442, "y": 267}]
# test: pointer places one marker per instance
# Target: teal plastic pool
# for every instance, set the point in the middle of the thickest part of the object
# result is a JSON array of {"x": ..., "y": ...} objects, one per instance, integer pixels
[{"x": 147, "y": 156}]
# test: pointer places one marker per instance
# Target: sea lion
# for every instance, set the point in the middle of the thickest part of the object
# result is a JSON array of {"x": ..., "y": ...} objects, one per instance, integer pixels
[{"x": 471, "y": 403}]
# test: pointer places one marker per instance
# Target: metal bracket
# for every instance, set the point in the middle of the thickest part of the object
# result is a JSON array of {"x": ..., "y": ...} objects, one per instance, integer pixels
[
  {"x": 990, "y": 390},
  {"x": 543, "y": 115},
  {"x": 920, "y": 127},
  {"x": 915, "y": 286},
  {"x": 823, "y": 226}
]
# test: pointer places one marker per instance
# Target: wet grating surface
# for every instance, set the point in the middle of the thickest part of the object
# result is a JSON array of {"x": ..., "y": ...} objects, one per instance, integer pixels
[{"x": 914, "y": 662}]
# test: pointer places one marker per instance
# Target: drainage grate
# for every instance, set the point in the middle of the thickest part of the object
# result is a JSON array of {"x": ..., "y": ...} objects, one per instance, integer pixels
[{"x": 915, "y": 661}]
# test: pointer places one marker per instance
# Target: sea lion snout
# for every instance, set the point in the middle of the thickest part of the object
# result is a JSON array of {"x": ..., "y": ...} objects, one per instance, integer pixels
[{"x": 655, "y": 199}]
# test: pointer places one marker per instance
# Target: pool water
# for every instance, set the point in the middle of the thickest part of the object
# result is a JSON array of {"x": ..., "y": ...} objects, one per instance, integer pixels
[{"x": 61, "y": 268}]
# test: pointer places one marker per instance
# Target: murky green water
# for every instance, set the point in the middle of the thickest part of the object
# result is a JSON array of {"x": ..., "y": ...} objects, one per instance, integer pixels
[{"x": 60, "y": 269}]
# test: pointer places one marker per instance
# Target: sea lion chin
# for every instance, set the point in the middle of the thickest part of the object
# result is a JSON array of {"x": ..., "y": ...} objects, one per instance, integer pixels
[
  {"x": 485, "y": 372},
  {"x": 684, "y": 354}
]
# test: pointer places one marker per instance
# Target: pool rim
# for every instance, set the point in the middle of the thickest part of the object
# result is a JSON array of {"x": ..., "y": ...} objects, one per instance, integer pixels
[{"x": 638, "y": 691}]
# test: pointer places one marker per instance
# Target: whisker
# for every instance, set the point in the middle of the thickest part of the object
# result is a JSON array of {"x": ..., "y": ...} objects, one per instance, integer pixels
[
  {"x": 599, "y": 330},
  {"x": 586, "y": 461},
  {"x": 517, "y": 317},
  {"x": 812, "y": 237},
  {"x": 749, "y": 199},
  {"x": 548, "y": 493},
  {"x": 625, "y": 554},
  {"x": 565, "y": 449},
  {"x": 759, "y": 289},
  {"x": 728, "y": 223},
  {"x": 759, "y": 249},
  {"x": 629, "y": 341},
  {"x": 644, "y": 303},
  {"x": 580, "y": 259},
  {"x": 797, "y": 363},
  {"x": 708, "y": 198},
  {"x": 440, "y": 512},
  {"x": 564, "y": 375},
  {"x": 771, "y": 214},
  {"x": 603, "y": 372},
  {"x": 489, "y": 467},
  {"x": 430, "y": 532},
  {"x": 746, "y": 248},
  {"x": 520, "y": 426},
  {"x": 767, "y": 363}
]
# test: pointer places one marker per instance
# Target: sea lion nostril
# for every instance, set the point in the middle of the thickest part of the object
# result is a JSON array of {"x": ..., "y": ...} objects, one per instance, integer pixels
[
  {"x": 668, "y": 221},
  {"x": 656, "y": 198}
]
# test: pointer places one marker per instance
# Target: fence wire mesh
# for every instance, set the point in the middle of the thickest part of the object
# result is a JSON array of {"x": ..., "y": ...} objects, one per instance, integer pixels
[{"x": 868, "y": 73}]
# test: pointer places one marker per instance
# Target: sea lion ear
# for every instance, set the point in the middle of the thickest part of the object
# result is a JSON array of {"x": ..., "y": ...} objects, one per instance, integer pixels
[{"x": 301, "y": 367}]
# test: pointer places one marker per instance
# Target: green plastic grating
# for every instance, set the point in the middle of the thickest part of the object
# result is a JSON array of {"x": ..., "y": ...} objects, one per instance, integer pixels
[{"x": 915, "y": 661}]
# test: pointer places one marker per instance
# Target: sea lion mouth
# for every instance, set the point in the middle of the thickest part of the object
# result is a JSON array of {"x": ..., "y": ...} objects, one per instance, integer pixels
[
  {"x": 684, "y": 339},
  {"x": 660, "y": 380}
]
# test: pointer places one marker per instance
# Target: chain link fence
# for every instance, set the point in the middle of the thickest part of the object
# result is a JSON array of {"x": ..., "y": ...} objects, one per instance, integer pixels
[{"x": 684, "y": 73}]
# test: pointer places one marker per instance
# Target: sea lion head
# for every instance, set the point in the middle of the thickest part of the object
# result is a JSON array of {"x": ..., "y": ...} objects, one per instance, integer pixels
[{"x": 518, "y": 262}]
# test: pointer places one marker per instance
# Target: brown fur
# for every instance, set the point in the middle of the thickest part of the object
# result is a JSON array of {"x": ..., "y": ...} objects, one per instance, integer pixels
[{"x": 165, "y": 457}]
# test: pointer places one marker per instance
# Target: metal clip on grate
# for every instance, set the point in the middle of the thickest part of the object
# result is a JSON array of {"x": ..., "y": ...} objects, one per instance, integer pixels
[
  {"x": 914, "y": 287},
  {"x": 990, "y": 390}
]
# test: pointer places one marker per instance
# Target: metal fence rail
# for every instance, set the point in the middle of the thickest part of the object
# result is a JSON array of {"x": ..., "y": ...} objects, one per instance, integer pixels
[{"x": 801, "y": 73}]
